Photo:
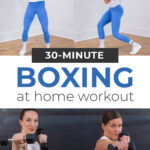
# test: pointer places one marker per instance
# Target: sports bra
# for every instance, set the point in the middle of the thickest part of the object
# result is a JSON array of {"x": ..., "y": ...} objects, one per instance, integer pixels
[
  {"x": 105, "y": 138},
  {"x": 114, "y": 3},
  {"x": 35, "y": 0},
  {"x": 34, "y": 146}
]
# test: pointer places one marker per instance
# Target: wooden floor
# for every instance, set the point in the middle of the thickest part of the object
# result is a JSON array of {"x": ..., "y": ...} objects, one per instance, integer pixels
[
  {"x": 13, "y": 47},
  {"x": 111, "y": 42}
]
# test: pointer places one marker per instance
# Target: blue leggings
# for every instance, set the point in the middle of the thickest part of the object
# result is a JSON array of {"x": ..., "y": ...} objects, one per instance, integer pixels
[
  {"x": 33, "y": 9},
  {"x": 113, "y": 15}
]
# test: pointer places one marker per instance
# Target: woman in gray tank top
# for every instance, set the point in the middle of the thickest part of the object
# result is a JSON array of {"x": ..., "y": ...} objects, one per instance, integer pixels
[{"x": 28, "y": 121}]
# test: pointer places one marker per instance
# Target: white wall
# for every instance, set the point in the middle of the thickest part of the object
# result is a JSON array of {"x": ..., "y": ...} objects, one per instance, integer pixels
[
  {"x": 87, "y": 15},
  {"x": 11, "y": 19},
  {"x": 136, "y": 19},
  {"x": 61, "y": 16},
  {"x": 60, "y": 13}
]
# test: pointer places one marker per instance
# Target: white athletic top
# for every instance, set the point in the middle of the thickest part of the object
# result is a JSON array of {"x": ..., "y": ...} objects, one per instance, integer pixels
[
  {"x": 34, "y": 146},
  {"x": 114, "y": 3},
  {"x": 35, "y": 0},
  {"x": 105, "y": 138}
]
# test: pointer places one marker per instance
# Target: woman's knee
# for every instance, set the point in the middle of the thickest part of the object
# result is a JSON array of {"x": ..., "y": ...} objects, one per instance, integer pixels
[
  {"x": 45, "y": 31},
  {"x": 100, "y": 25},
  {"x": 115, "y": 35},
  {"x": 26, "y": 28}
]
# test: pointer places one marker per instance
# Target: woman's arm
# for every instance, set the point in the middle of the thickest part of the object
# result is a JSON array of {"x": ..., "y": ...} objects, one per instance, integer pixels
[
  {"x": 18, "y": 146},
  {"x": 103, "y": 144},
  {"x": 107, "y": 1},
  {"x": 18, "y": 142}
]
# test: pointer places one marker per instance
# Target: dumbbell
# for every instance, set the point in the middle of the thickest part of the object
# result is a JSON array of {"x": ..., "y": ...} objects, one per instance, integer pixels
[
  {"x": 29, "y": 139},
  {"x": 131, "y": 144},
  {"x": 43, "y": 145},
  {"x": 131, "y": 147}
]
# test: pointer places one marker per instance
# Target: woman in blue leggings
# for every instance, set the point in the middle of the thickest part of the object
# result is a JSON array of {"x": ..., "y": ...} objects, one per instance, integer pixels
[
  {"x": 113, "y": 15},
  {"x": 35, "y": 7}
]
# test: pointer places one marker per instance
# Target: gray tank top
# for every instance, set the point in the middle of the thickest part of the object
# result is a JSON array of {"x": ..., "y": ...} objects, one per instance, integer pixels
[{"x": 34, "y": 146}]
